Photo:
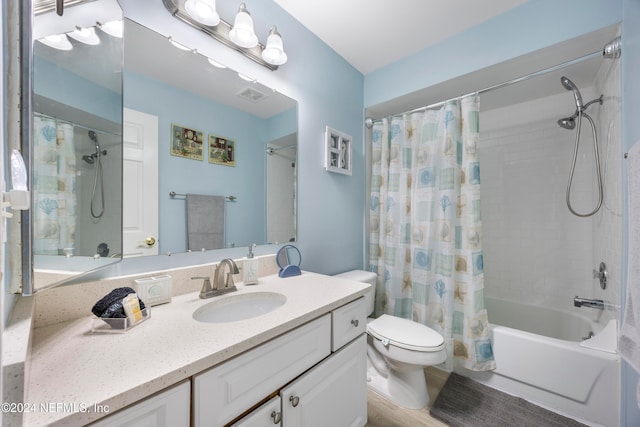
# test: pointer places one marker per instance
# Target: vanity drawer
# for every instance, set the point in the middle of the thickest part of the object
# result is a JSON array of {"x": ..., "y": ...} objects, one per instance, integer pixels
[
  {"x": 348, "y": 322},
  {"x": 227, "y": 390}
]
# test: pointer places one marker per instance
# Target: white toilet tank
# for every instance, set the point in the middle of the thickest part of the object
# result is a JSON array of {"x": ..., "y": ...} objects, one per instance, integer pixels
[{"x": 364, "y": 277}]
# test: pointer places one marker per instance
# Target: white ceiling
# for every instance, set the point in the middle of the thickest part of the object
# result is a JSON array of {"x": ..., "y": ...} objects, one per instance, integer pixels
[{"x": 370, "y": 34}]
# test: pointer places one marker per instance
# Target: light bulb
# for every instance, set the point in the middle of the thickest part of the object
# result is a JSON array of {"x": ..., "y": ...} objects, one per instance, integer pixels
[
  {"x": 18, "y": 171},
  {"x": 242, "y": 32},
  {"x": 57, "y": 41},
  {"x": 85, "y": 35},
  {"x": 273, "y": 52},
  {"x": 113, "y": 28},
  {"x": 216, "y": 63},
  {"x": 203, "y": 11}
]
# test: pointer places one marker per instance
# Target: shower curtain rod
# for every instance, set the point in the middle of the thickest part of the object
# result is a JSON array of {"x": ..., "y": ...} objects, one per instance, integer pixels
[
  {"x": 507, "y": 83},
  {"x": 59, "y": 120}
]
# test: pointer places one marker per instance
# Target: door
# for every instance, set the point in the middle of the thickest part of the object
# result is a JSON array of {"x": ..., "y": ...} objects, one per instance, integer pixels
[{"x": 140, "y": 189}]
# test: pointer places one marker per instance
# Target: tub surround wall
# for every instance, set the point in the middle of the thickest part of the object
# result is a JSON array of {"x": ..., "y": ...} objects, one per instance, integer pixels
[{"x": 535, "y": 250}]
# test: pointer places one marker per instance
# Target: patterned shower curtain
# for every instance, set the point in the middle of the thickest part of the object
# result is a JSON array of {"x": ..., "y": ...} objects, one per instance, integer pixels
[
  {"x": 425, "y": 227},
  {"x": 54, "y": 182}
]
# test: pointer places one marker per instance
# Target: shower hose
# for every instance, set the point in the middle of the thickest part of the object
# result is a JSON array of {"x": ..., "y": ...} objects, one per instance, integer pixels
[{"x": 573, "y": 166}]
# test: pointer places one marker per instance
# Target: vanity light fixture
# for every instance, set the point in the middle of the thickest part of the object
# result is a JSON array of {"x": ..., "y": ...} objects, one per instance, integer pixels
[
  {"x": 57, "y": 41},
  {"x": 85, "y": 35},
  {"x": 240, "y": 36}
]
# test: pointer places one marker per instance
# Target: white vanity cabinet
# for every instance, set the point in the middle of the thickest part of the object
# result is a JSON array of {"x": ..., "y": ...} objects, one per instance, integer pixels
[
  {"x": 308, "y": 385},
  {"x": 169, "y": 408}
]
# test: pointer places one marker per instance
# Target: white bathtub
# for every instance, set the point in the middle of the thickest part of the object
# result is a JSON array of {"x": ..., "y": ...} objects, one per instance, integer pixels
[{"x": 539, "y": 358}]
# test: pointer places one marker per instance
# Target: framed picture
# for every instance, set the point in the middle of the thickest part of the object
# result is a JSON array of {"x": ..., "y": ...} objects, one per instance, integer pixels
[
  {"x": 186, "y": 142},
  {"x": 337, "y": 151},
  {"x": 222, "y": 151}
]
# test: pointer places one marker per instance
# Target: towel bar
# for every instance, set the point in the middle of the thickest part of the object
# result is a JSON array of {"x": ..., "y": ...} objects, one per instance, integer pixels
[{"x": 174, "y": 194}]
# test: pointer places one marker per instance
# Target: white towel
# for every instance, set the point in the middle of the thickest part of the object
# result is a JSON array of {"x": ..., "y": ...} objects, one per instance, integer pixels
[
  {"x": 205, "y": 222},
  {"x": 629, "y": 343}
]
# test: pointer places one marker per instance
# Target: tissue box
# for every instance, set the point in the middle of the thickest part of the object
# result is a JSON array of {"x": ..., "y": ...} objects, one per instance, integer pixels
[{"x": 154, "y": 290}]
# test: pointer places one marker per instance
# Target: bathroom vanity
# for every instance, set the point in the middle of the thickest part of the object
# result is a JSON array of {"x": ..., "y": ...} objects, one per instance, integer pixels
[{"x": 302, "y": 364}]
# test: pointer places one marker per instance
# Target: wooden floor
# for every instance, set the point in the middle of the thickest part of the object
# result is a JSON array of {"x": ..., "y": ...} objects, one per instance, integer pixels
[{"x": 382, "y": 413}]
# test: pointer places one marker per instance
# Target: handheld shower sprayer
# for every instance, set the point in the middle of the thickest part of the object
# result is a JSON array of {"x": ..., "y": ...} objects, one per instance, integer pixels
[
  {"x": 98, "y": 179},
  {"x": 570, "y": 123},
  {"x": 569, "y": 85}
]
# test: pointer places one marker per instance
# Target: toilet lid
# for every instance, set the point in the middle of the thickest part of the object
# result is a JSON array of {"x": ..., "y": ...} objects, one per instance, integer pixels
[{"x": 405, "y": 333}]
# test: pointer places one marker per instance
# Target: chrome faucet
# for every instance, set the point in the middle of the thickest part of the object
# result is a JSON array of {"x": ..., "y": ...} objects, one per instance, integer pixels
[
  {"x": 209, "y": 291},
  {"x": 228, "y": 282},
  {"x": 593, "y": 303}
]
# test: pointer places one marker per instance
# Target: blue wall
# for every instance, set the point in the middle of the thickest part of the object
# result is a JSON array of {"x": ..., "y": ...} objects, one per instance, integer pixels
[
  {"x": 531, "y": 26},
  {"x": 245, "y": 218}
]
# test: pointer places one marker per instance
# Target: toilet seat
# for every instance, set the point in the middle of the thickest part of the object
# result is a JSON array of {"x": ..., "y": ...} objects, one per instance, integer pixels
[{"x": 404, "y": 333}]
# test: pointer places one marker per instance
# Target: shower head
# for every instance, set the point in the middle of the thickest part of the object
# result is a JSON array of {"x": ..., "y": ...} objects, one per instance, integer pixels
[
  {"x": 93, "y": 136},
  {"x": 569, "y": 85},
  {"x": 89, "y": 158},
  {"x": 567, "y": 123}
]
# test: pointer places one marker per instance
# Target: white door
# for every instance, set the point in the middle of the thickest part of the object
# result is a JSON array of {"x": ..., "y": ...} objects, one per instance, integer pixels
[{"x": 140, "y": 193}]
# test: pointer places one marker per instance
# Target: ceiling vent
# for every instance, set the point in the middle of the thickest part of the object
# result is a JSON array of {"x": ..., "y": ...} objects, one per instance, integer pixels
[{"x": 252, "y": 95}]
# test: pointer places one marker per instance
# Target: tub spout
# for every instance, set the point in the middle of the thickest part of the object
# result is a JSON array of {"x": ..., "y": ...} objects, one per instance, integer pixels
[{"x": 593, "y": 303}]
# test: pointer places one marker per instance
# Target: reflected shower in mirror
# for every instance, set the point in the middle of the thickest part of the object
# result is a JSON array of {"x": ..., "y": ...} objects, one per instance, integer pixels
[{"x": 77, "y": 141}]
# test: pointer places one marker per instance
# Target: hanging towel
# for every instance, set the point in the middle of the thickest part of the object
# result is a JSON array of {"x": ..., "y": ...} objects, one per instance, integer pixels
[
  {"x": 205, "y": 222},
  {"x": 629, "y": 344}
]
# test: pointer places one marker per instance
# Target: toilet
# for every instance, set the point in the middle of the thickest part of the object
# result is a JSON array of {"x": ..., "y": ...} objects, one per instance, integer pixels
[{"x": 398, "y": 351}]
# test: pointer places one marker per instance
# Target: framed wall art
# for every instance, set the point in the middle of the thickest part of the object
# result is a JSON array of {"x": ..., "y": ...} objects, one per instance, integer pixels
[
  {"x": 222, "y": 151},
  {"x": 186, "y": 142},
  {"x": 337, "y": 151}
]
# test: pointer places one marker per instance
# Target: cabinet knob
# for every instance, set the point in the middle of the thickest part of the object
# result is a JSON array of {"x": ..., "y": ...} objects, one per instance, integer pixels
[
  {"x": 355, "y": 322},
  {"x": 276, "y": 416},
  {"x": 294, "y": 400},
  {"x": 150, "y": 241}
]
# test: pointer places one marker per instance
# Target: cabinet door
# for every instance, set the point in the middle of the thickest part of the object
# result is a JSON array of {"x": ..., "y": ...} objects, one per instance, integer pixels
[
  {"x": 334, "y": 393},
  {"x": 170, "y": 408},
  {"x": 267, "y": 415}
]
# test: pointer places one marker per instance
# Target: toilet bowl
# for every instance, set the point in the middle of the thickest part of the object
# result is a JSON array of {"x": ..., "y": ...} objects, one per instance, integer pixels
[{"x": 398, "y": 351}]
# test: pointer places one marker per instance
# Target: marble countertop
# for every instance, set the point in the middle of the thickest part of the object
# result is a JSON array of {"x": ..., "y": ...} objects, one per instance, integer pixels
[{"x": 74, "y": 373}]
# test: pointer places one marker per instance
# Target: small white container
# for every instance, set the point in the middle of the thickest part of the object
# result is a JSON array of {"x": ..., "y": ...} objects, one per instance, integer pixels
[{"x": 154, "y": 290}]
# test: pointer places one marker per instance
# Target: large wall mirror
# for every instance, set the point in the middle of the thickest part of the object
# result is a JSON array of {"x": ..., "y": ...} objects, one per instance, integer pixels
[{"x": 187, "y": 129}]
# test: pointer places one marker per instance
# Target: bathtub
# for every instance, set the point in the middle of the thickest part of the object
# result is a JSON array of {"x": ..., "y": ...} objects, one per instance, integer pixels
[{"x": 540, "y": 357}]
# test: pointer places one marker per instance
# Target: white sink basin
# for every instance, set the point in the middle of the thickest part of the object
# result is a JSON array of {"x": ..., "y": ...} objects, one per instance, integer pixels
[{"x": 239, "y": 307}]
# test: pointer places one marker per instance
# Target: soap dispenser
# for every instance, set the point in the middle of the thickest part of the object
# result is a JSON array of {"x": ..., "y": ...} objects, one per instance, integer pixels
[{"x": 250, "y": 268}]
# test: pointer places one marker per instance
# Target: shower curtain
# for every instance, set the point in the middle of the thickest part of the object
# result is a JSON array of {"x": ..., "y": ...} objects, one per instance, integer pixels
[
  {"x": 425, "y": 227},
  {"x": 54, "y": 182}
]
